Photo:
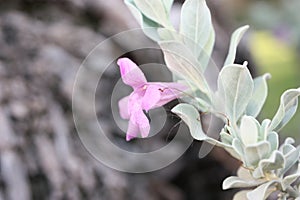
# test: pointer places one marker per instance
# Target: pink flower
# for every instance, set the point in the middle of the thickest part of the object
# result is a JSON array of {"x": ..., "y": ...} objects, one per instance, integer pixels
[{"x": 145, "y": 96}]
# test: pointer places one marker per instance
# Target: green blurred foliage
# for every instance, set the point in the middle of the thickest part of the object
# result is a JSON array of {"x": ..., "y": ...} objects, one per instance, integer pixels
[
  {"x": 282, "y": 17},
  {"x": 280, "y": 59}
]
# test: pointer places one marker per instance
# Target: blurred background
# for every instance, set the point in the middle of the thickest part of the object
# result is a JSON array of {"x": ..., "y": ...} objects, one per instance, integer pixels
[{"x": 42, "y": 45}]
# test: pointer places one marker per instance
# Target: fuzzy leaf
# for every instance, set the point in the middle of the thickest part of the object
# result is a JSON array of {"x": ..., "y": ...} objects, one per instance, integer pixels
[
  {"x": 235, "y": 87},
  {"x": 264, "y": 129},
  {"x": 205, "y": 53},
  {"x": 286, "y": 110},
  {"x": 197, "y": 29},
  {"x": 238, "y": 147},
  {"x": 180, "y": 61},
  {"x": 231, "y": 130},
  {"x": 190, "y": 115},
  {"x": 232, "y": 152},
  {"x": 291, "y": 155},
  {"x": 244, "y": 179},
  {"x": 288, "y": 180},
  {"x": 226, "y": 138},
  {"x": 272, "y": 138},
  {"x": 237, "y": 182},
  {"x": 262, "y": 192},
  {"x": 244, "y": 173},
  {"x": 276, "y": 161},
  {"x": 168, "y": 5},
  {"x": 256, "y": 152},
  {"x": 249, "y": 130},
  {"x": 235, "y": 39},
  {"x": 259, "y": 96},
  {"x": 166, "y": 34},
  {"x": 149, "y": 27},
  {"x": 154, "y": 10}
]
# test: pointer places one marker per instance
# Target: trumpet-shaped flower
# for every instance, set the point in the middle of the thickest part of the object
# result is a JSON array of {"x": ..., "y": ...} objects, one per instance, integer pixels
[{"x": 145, "y": 96}]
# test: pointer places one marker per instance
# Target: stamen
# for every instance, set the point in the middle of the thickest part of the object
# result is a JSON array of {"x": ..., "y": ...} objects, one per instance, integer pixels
[{"x": 161, "y": 90}]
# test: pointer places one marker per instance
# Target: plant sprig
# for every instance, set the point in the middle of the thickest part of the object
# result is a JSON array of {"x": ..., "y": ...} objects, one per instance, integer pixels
[{"x": 267, "y": 167}]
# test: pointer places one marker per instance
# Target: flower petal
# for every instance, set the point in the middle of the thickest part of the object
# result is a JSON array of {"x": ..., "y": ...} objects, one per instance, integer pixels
[
  {"x": 123, "y": 108},
  {"x": 139, "y": 118},
  {"x": 132, "y": 130},
  {"x": 144, "y": 125},
  {"x": 151, "y": 97},
  {"x": 131, "y": 74}
]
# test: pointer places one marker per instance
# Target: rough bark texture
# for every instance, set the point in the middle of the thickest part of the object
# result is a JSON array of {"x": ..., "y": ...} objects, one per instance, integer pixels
[{"x": 42, "y": 44}]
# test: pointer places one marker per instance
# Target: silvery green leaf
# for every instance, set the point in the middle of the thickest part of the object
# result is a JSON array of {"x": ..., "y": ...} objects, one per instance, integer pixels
[
  {"x": 231, "y": 130},
  {"x": 291, "y": 155},
  {"x": 190, "y": 115},
  {"x": 197, "y": 28},
  {"x": 198, "y": 94},
  {"x": 149, "y": 27},
  {"x": 264, "y": 129},
  {"x": 168, "y": 5},
  {"x": 235, "y": 150},
  {"x": 203, "y": 105},
  {"x": 287, "y": 145},
  {"x": 289, "y": 140},
  {"x": 218, "y": 101},
  {"x": 199, "y": 103},
  {"x": 243, "y": 179},
  {"x": 205, "y": 52},
  {"x": 226, "y": 138},
  {"x": 195, "y": 21},
  {"x": 237, "y": 182},
  {"x": 167, "y": 34},
  {"x": 231, "y": 151},
  {"x": 181, "y": 61},
  {"x": 288, "y": 180},
  {"x": 154, "y": 10},
  {"x": 244, "y": 173},
  {"x": 288, "y": 148},
  {"x": 235, "y": 40},
  {"x": 276, "y": 161},
  {"x": 286, "y": 110},
  {"x": 256, "y": 152},
  {"x": 238, "y": 147},
  {"x": 259, "y": 96},
  {"x": 272, "y": 138},
  {"x": 235, "y": 86},
  {"x": 249, "y": 130},
  {"x": 263, "y": 191}
]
